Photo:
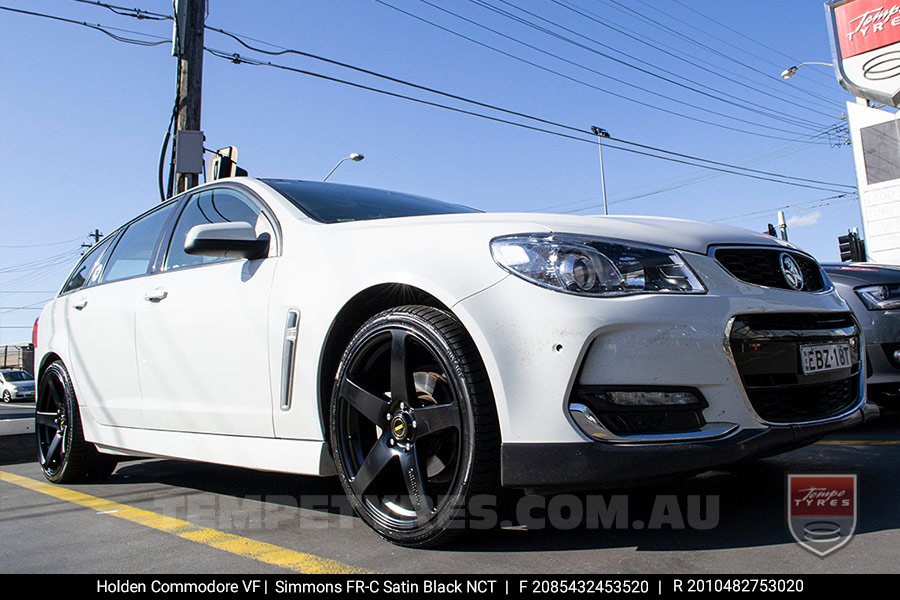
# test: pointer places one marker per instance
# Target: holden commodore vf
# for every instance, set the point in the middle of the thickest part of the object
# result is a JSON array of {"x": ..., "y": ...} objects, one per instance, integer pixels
[
  {"x": 873, "y": 293},
  {"x": 428, "y": 354}
]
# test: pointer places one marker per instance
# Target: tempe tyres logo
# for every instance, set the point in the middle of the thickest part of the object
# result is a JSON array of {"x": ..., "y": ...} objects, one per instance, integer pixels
[{"x": 821, "y": 511}]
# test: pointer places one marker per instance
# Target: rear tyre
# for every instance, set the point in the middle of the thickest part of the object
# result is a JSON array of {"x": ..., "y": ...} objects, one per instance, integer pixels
[
  {"x": 64, "y": 455},
  {"x": 414, "y": 431}
]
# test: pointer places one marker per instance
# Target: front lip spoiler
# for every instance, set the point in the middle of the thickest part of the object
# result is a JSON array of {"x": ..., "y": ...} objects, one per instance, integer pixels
[{"x": 586, "y": 465}]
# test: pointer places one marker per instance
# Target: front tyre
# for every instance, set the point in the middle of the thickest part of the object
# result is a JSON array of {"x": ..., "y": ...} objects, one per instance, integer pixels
[
  {"x": 64, "y": 455},
  {"x": 7, "y": 397},
  {"x": 413, "y": 425}
]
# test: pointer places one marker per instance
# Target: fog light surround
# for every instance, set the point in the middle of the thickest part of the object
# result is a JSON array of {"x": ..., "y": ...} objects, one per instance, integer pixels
[{"x": 637, "y": 411}]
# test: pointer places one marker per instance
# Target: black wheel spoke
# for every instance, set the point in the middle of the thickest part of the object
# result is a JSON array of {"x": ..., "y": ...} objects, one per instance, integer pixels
[
  {"x": 54, "y": 446},
  {"x": 54, "y": 395},
  {"x": 439, "y": 417},
  {"x": 378, "y": 458},
  {"x": 414, "y": 476},
  {"x": 47, "y": 419},
  {"x": 369, "y": 405},
  {"x": 402, "y": 386}
]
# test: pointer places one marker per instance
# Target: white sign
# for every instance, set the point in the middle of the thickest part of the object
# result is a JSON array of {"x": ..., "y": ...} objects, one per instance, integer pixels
[{"x": 876, "y": 154}]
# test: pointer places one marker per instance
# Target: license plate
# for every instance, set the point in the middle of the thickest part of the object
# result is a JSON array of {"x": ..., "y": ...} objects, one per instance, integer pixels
[{"x": 817, "y": 358}]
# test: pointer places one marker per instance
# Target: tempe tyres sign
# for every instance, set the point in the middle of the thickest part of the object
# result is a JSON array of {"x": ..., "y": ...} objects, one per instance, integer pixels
[{"x": 866, "y": 45}]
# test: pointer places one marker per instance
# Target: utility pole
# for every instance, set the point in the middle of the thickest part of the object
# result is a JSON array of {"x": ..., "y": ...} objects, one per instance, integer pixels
[
  {"x": 190, "y": 18},
  {"x": 601, "y": 133},
  {"x": 94, "y": 234},
  {"x": 782, "y": 225}
]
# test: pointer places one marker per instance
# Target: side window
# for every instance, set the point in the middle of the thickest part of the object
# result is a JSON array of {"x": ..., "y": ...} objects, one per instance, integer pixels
[
  {"x": 212, "y": 206},
  {"x": 86, "y": 266},
  {"x": 134, "y": 251}
]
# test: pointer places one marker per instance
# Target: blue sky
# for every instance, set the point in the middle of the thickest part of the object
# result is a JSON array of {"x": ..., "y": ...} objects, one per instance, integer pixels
[{"x": 82, "y": 116}]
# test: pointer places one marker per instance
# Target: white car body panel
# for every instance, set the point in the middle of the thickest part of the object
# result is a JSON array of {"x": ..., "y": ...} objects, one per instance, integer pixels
[
  {"x": 203, "y": 351},
  {"x": 206, "y": 347}
]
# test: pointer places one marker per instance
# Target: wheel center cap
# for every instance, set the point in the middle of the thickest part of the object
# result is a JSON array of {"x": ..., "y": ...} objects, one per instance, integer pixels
[{"x": 400, "y": 426}]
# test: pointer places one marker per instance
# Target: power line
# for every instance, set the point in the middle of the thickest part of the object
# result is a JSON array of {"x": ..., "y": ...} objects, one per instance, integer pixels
[
  {"x": 607, "y": 76},
  {"x": 737, "y": 32},
  {"x": 495, "y": 107},
  {"x": 661, "y": 187},
  {"x": 675, "y": 32},
  {"x": 649, "y": 69},
  {"x": 238, "y": 59},
  {"x": 783, "y": 95},
  {"x": 41, "y": 245},
  {"x": 137, "y": 13},
  {"x": 96, "y": 27},
  {"x": 805, "y": 205},
  {"x": 579, "y": 81}
]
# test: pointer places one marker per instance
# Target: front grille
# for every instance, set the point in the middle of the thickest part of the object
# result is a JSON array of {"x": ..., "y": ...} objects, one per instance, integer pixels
[
  {"x": 766, "y": 351},
  {"x": 760, "y": 266},
  {"x": 804, "y": 403}
]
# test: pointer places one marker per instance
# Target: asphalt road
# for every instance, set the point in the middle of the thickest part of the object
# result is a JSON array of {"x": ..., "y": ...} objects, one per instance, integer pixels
[
  {"x": 14, "y": 410},
  {"x": 237, "y": 517}
]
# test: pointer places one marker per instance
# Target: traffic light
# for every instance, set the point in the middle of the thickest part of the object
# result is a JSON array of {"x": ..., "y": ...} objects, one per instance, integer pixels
[
  {"x": 852, "y": 248},
  {"x": 772, "y": 231},
  {"x": 845, "y": 245}
]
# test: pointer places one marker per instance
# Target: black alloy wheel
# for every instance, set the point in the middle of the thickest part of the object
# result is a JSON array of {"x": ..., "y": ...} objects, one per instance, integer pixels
[
  {"x": 413, "y": 425},
  {"x": 63, "y": 454}
]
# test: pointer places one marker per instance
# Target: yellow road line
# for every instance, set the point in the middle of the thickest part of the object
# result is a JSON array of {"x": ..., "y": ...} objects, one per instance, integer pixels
[
  {"x": 271, "y": 554},
  {"x": 860, "y": 442}
]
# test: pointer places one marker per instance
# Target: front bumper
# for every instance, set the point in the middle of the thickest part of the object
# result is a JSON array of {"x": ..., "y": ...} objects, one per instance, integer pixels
[
  {"x": 539, "y": 346},
  {"x": 22, "y": 395},
  {"x": 586, "y": 464}
]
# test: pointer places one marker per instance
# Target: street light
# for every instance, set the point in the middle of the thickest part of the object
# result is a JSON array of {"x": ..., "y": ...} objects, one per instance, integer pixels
[
  {"x": 791, "y": 71},
  {"x": 354, "y": 157},
  {"x": 601, "y": 133}
]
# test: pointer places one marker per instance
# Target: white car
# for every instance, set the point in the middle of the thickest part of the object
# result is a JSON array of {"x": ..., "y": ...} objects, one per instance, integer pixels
[
  {"x": 16, "y": 384},
  {"x": 428, "y": 354}
]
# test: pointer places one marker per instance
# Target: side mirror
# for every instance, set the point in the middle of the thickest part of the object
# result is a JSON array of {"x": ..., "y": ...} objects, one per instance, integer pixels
[{"x": 227, "y": 240}]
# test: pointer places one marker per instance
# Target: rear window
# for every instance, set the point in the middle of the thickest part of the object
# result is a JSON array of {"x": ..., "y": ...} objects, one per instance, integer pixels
[
  {"x": 17, "y": 376},
  {"x": 336, "y": 203}
]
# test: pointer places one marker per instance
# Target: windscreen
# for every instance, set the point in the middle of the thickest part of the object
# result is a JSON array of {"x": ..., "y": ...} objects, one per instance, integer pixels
[{"x": 335, "y": 203}]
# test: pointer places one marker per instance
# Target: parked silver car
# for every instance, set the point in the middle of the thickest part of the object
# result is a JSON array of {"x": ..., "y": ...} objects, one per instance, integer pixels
[
  {"x": 16, "y": 384},
  {"x": 873, "y": 292}
]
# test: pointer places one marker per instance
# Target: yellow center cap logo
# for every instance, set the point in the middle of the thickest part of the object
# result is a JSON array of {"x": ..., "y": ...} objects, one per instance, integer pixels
[{"x": 398, "y": 427}]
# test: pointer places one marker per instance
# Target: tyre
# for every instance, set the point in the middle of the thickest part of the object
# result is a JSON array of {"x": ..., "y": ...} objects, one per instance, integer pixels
[
  {"x": 64, "y": 455},
  {"x": 413, "y": 426},
  {"x": 7, "y": 397}
]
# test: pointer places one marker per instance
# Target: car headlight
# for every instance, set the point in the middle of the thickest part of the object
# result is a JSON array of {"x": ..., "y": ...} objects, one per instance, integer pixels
[
  {"x": 880, "y": 297},
  {"x": 594, "y": 266}
]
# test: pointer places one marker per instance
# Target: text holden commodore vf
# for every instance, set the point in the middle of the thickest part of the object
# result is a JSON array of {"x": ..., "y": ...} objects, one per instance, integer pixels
[{"x": 427, "y": 353}]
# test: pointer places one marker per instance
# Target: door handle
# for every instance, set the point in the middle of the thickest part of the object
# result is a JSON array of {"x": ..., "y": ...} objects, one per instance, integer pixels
[
  {"x": 156, "y": 295},
  {"x": 80, "y": 304}
]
